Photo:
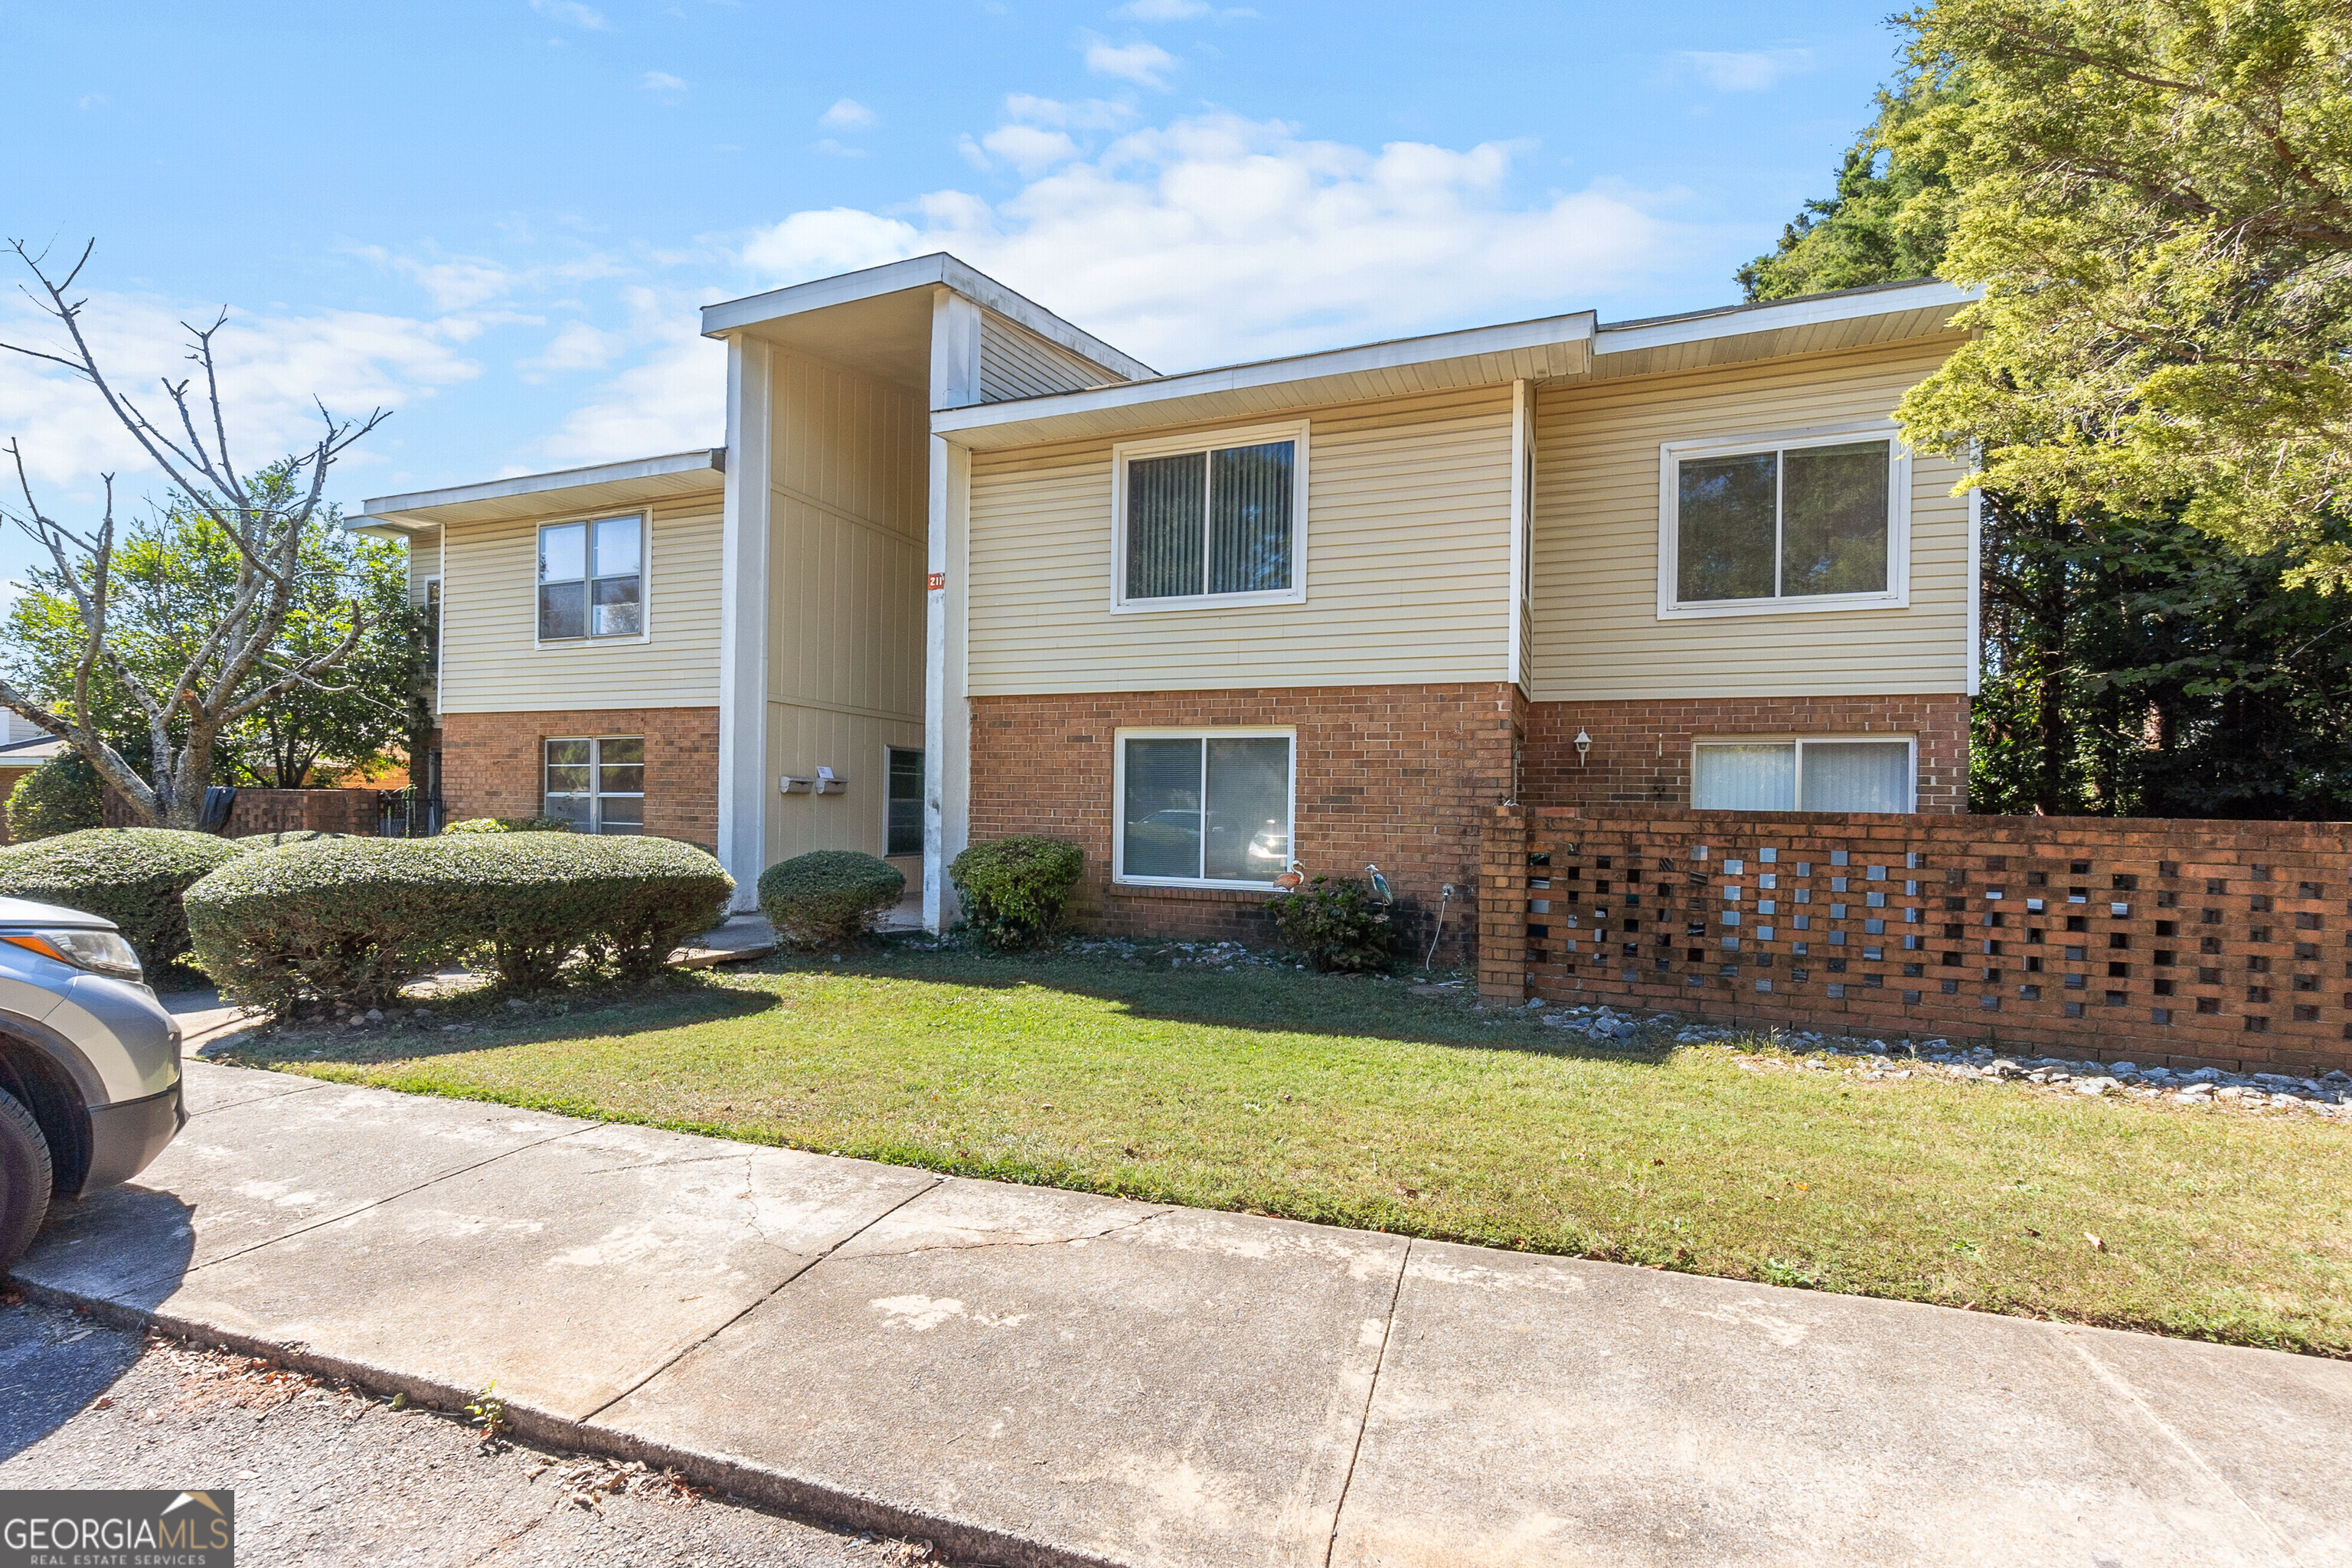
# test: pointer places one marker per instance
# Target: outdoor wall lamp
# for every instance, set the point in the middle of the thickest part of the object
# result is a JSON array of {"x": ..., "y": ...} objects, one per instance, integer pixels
[{"x": 1584, "y": 745}]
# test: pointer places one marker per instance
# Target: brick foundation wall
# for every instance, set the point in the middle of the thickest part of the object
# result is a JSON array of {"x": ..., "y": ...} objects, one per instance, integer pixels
[
  {"x": 2167, "y": 943},
  {"x": 491, "y": 763},
  {"x": 1642, "y": 750},
  {"x": 1402, "y": 776}
]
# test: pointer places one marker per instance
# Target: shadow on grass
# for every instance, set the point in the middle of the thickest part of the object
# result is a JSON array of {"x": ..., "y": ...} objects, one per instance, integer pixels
[
  {"x": 483, "y": 1022},
  {"x": 1258, "y": 998}
]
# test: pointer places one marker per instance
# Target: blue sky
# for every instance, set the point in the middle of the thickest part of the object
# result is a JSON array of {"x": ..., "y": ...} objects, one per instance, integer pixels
[{"x": 497, "y": 217}]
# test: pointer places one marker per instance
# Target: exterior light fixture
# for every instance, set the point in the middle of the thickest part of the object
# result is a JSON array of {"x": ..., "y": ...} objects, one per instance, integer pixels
[{"x": 1584, "y": 745}]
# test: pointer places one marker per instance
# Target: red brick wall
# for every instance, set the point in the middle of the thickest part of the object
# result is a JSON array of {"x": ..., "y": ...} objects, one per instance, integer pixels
[
  {"x": 258, "y": 811},
  {"x": 1642, "y": 750},
  {"x": 1402, "y": 776},
  {"x": 2174, "y": 943},
  {"x": 491, "y": 763}
]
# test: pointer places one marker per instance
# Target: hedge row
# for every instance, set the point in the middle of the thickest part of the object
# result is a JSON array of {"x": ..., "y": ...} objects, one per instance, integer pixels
[
  {"x": 356, "y": 919},
  {"x": 132, "y": 875}
]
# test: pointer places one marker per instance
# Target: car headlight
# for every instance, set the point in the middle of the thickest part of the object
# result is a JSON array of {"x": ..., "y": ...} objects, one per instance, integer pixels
[{"x": 100, "y": 952}]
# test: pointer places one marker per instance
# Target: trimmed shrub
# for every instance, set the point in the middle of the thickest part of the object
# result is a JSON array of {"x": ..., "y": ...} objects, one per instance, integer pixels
[
  {"x": 253, "y": 841},
  {"x": 62, "y": 795},
  {"x": 1015, "y": 889},
  {"x": 508, "y": 824},
  {"x": 135, "y": 877},
  {"x": 828, "y": 897},
  {"x": 1336, "y": 925},
  {"x": 353, "y": 919}
]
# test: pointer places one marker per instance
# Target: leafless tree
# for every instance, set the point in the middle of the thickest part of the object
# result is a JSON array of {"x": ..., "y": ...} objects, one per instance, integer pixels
[{"x": 234, "y": 670}]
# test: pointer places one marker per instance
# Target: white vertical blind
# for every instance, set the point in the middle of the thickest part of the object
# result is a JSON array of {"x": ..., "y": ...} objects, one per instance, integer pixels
[
  {"x": 1762, "y": 777},
  {"x": 1856, "y": 775}
]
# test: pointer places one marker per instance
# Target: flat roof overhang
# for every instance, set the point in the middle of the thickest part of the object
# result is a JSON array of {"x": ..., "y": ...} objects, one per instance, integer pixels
[
  {"x": 606, "y": 487},
  {"x": 1557, "y": 348},
  {"x": 880, "y": 319},
  {"x": 1546, "y": 349}
]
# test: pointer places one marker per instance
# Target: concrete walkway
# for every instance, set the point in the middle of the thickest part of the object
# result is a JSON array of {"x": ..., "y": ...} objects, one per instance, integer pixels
[{"x": 1032, "y": 1377}]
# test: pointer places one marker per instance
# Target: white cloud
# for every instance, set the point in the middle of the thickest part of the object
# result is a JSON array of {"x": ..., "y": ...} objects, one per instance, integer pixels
[
  {"x": 270, "y": 369},
  {"x": 572, "y": 11},
  {"x": 661, "y": 82},
  {"x": 672, "y": 401},
  {"x": 1093, "y": 114},
  {"x": 1218, "y": 239},
  {"x": 846, "y": 114},
  {"x": 831, "y": 148},
  {"x": 1146, "y": 65},
  {"x": 578, "y": 346},
  {"x": 1029, "y": 149},
  {"x": 1753, "y": 71}
]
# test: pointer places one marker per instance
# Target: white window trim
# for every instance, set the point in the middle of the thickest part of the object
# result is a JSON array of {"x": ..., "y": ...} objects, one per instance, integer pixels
[
  {"x": 1897, "y": 596},
  {"x": 645, "y": 583},
  {"x": 1294, "y": 431},
  {"x": 1119, "y": 738},
  {"x": 1865, "y": 737},
  {"x": 595, "y": 796}
]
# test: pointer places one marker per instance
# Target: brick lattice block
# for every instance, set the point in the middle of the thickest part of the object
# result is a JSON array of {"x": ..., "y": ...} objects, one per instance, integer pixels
[{"x": 2179, "y": 943}]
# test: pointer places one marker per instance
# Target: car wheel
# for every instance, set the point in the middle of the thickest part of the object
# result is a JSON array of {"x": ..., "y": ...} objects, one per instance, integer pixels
[{"x": 26, "y": 1178}]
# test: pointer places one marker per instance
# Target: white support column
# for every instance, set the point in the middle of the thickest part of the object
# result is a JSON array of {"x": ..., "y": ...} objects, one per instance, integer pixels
[
  {"x": 1522, "y": 528},
  {"x": 1976, "y": 590},
  {"x": 947, "y": 711},
  {"x": 743, "y": 782}
]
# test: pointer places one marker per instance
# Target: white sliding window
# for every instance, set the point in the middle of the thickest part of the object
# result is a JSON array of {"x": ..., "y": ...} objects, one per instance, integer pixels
[
  {"x": 1829, "y": 773},
  {"x": 1209, "y": 522},
  {"x": 1203, "y": 809},
  {"x": 1759, "y": 525}
]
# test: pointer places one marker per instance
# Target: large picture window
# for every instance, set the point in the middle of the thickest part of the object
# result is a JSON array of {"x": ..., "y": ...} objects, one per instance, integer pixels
[
  {"x": 1210, "y": 809},
  {"x": 1830, "y": 773},
  {"x": 597, "y": 785},
  {"x": 1794, "y": 524},
  {"x": 592, "y": 579},
  {"x": 1211, "y": 522}
]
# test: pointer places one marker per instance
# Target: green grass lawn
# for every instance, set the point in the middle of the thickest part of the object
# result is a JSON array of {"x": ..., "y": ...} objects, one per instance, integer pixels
[{"x": 1347, "y": 1102}]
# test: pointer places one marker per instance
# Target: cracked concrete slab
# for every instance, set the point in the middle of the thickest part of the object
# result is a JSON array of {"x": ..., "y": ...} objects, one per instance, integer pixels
[
  {"x": 207, "y": 1087},
  {"x": 566, "y": 1273},
  {"x": 1543, "y": 1411},
  {"x": 262, "y": 1167},
  {"x": 1104, "y": 1380}
]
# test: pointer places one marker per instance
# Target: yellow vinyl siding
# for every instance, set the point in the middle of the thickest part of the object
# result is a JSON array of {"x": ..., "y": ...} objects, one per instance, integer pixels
[
  {"x": 424, "y": 562},
  {"x": 1597, "y": 635},
  {"x": 848, "y": 513},
  {"x": 1408, "y": 564},
  {"x": 489, "y": 608}
]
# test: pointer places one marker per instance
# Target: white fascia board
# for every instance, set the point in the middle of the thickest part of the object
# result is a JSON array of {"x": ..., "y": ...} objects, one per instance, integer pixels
[
  {"x": 1394, "y": 355},
  {"x": 1740, "y": 320},
  {"x": 937, "y": 269},
  {"x": 385, "y": 512}
]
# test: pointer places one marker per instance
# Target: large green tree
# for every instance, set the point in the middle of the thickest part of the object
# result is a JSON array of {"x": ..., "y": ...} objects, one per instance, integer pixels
[{"x": 2155, "y": 197}]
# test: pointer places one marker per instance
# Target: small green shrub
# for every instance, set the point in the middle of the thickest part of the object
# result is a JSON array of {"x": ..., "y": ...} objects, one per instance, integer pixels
[
  {"x": 1013, "y": 890},
  {"x": 253, "y": 841},
  {"x": 353, "y": 919},
  {"x": 1336, "y": 925},
  {"x": 829, "y": 897},
  {"x": 135, "y": 877},
  {"x": 508, "y": 824},
  {"x": 62, "y": 795}
]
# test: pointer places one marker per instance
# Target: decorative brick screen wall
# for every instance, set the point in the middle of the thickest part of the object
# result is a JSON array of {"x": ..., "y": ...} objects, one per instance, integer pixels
[{"x": 2167, "y": 943}]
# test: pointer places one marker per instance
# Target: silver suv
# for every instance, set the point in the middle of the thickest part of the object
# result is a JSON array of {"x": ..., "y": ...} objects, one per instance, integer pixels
[{"x": 89, "y": 1064}]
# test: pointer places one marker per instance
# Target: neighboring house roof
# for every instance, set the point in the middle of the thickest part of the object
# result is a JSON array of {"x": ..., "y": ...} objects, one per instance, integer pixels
[
  {"x": 31, "y": 753},
  {"x": 632, "y": 483}
]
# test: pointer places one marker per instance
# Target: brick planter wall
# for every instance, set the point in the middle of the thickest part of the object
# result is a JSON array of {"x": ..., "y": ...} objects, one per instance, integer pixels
[
  {"x": 1642, "y": 750},
  {"x": 1402, "y": 776},
  {"x": 2179, "y": 943},
  {"x": 491, "y": 763}
]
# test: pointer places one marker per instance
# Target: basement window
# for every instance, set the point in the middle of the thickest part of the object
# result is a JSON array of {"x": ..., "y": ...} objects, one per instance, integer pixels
[
  {"x": 1829, "y": 773},
  {"x": 1203, "y": 809},
  {"x": 597, "y": 783},
  {"x": 1209, "y": 522},
  {"x": 1759, "y": 524}
]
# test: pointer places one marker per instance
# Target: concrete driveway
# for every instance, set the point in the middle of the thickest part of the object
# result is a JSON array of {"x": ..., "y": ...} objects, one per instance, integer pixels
[{"x": 1033, "y": 1376}]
